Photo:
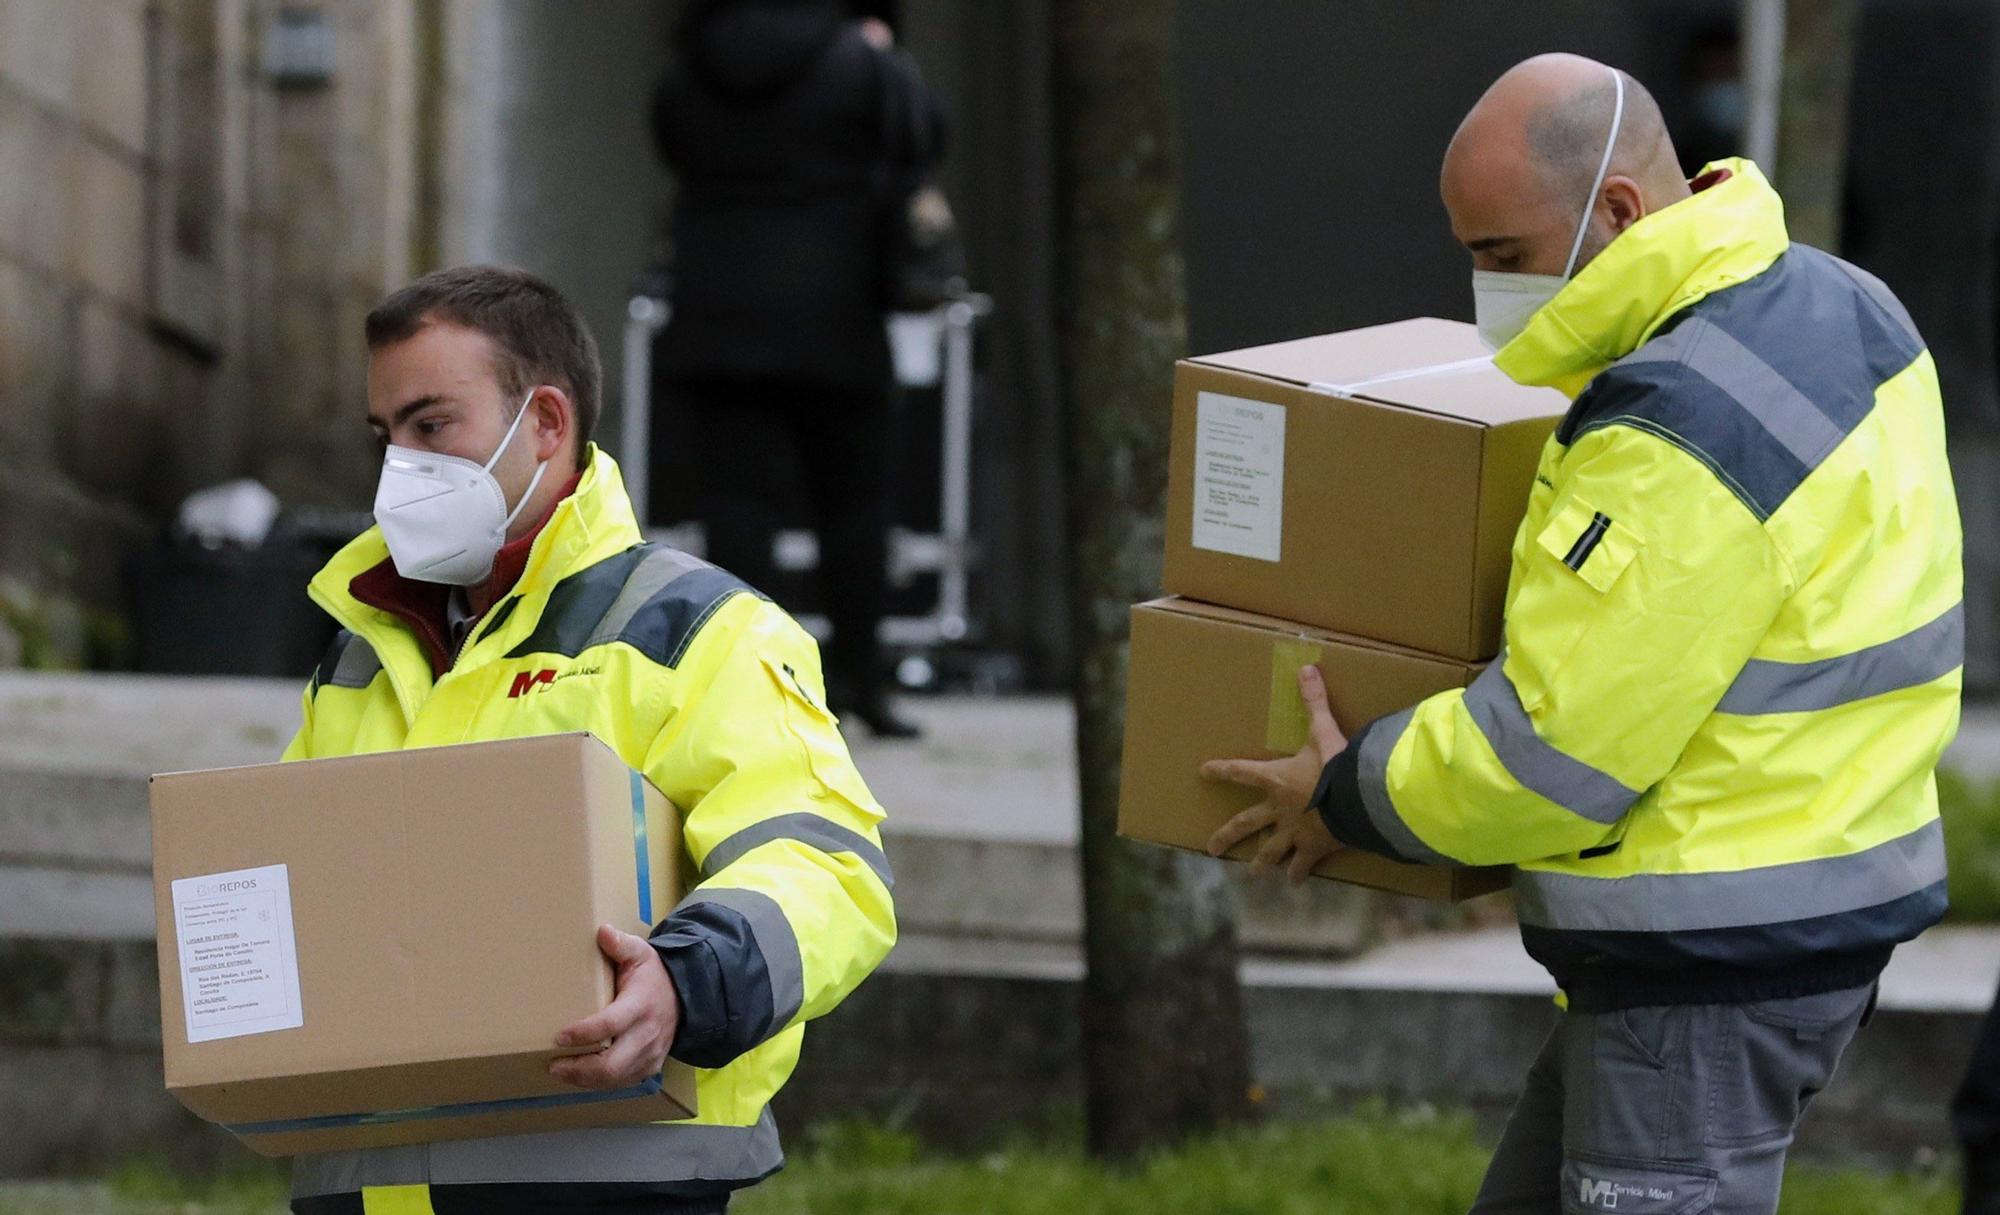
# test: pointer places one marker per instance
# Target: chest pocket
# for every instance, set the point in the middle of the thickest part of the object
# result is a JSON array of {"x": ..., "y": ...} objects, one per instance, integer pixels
[{"x": 1575, "y": 562}]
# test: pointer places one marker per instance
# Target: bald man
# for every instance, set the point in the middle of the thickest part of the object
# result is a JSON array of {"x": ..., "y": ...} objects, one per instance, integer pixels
[{"x": 1734, "y": 646}]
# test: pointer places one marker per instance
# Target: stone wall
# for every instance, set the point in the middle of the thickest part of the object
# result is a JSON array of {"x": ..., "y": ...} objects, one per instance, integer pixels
[{"x": 186, "y": 247}]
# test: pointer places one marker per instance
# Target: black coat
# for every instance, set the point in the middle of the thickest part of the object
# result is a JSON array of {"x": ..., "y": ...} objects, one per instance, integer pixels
[{"x": 772, "y": 124}]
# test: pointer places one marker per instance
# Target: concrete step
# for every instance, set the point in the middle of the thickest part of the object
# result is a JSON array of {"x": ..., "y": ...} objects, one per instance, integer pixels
[{"x": 981, "y": 830}]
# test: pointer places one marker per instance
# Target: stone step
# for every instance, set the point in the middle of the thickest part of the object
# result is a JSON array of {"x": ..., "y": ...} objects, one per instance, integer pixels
[
  {"x": 75, "y": 861},
  {"x": 981, "y": 832}
]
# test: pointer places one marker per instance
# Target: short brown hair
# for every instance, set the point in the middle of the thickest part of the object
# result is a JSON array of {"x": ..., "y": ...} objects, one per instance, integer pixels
[{"x": 541, "y": 336}]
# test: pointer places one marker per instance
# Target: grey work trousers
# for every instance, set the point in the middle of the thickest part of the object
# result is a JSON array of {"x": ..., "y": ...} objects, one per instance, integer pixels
[{"x": 1683, "y": 1109}]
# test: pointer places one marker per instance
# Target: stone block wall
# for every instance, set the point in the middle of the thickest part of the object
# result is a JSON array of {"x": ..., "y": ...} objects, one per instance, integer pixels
[{"x": 132, "y": 370}]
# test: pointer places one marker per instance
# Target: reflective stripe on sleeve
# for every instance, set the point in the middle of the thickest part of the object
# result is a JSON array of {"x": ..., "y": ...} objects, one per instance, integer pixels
[
  {"x": 1918, "y": 657},
  {"x": 1536, "y": 765},
  {"x": 776, "y": 941},
  {"x": 823, "y": 834},
  {"x": 1373, "y": 758}
]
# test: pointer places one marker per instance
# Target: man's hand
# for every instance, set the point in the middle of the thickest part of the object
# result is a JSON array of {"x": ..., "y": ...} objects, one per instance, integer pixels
[
  {"x": 638, "y": 1024},
  {"x": 1299, "y": 839}
]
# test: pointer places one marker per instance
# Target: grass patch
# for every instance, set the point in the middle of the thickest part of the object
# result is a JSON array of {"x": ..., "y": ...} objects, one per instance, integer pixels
[
  {"x": 1375, "y": 1162},
  {"x": 1971, "y": 811},
  {"x": 148, "y": 1185}
]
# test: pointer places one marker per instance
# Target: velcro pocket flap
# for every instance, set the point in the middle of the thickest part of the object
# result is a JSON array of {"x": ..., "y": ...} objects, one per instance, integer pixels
[{"x": 1590, "y": 543}]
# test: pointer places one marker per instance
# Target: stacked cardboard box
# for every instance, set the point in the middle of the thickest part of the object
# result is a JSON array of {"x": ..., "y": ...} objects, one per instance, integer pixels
[
  {"x": 378, "y": 950},
  {"x": 1347, "y": 500}
]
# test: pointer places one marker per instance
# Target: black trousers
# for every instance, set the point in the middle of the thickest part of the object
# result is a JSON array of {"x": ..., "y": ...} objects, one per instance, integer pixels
[
  {"x": 761, "y": 444},
  {"x": 1976, "y": 1112}
]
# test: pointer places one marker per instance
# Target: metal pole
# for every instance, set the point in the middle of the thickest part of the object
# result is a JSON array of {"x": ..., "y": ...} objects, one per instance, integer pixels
[
  {"x": 955, "y": 490},
  {"x": 1763, "y": 42},
  {"x": 645, "y": 316}
]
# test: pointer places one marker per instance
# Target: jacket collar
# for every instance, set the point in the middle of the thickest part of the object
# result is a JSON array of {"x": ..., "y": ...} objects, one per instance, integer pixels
[
  {"x": 592, "y": 523},
  {"x": 426, "y": 606},
  {"x": 1728, "y": 232}
]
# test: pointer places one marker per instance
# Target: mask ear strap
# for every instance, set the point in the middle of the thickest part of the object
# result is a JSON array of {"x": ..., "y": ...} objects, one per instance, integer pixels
[
  {"x": 520, "y": 413},
  {"x": 540, "y": 467},
  {"x": 525, "y": 495},
  {"x": 1610, "y": 143}
]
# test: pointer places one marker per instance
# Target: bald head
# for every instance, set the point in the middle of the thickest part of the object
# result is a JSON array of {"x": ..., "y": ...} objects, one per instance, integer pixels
[{"x": 1518, "y": 174}]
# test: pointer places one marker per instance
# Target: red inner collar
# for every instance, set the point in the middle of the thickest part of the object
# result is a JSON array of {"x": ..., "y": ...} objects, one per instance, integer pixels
[
  {"x": 1714, "y": 177},
  {"x": 422, "y": 605}
]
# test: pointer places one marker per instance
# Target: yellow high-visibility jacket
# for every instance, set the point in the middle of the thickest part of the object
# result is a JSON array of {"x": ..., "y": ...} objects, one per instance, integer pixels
[
  {"x": 1734, "y": 632},
  {"x": 716, "y": 695}
]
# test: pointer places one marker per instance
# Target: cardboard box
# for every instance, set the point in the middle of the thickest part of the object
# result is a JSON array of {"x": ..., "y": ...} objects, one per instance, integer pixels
[
  {"x": 1381, "y": 509},
  {"x": 1212, "y": 682},
  {"x": 379, "y": 950}
]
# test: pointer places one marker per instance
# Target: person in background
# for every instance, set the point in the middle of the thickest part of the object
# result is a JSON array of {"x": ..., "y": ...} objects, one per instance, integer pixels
[{"x": 773, "y": 125}]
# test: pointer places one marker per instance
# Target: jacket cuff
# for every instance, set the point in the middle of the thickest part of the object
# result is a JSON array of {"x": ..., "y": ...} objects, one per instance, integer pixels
[
  {"x": 1338, "y": 799},
  {"x": 720, "y": 976}
]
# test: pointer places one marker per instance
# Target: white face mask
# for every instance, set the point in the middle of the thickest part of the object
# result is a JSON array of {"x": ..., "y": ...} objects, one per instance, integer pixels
[
  {"x": 445, "y": 517},
  {"x": 1502, "y": 302}
]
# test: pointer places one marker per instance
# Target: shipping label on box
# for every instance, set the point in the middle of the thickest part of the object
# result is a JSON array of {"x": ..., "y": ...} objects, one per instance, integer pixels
[
  {"x": 1239, "y": 470},
  {"x": 238, "y": 957}
]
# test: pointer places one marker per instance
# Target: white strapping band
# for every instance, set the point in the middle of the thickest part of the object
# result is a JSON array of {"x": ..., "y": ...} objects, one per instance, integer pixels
[{"x": 1353, "y": 388}]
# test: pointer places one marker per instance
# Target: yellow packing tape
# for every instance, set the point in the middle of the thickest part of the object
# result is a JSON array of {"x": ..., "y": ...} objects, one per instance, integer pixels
[{"x": 1287, "y": 727}]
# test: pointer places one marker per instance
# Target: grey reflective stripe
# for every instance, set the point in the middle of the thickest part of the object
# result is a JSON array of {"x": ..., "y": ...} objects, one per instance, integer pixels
[
  {"x": 1917, "y": 657},
  {"x": 775, "y": 940},
  {"x": 317, "y": 1173},
  {"x": 1779, "y": 407},
  {"x": 652, "y": 598},
  {"x": 577, "y": 603},
  {"x": 660, "y": 1151},
  {"x": 1568, "y": 782},
  {"x": 357, "y": 666},
  {"x": 827, "y": 836},
  {"x": 1372, "y": 766},
  {"x": 1774, "y": 894},
  {"x": 661, "y": 566}
]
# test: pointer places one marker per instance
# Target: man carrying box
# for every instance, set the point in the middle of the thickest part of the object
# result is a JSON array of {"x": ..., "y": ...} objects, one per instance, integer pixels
[
  {"x": 507, "y": 592},
  {"x": 1733, "y": 650}
]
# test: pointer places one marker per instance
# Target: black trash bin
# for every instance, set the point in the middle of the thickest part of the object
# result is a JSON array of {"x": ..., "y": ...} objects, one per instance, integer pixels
[{"x": 230, "y": 610}]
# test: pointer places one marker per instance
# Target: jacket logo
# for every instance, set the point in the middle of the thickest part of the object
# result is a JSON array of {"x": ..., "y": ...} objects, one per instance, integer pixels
[
  {"x": 1604, "y": 1195},
  {"x": 527, "y": 681}
]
